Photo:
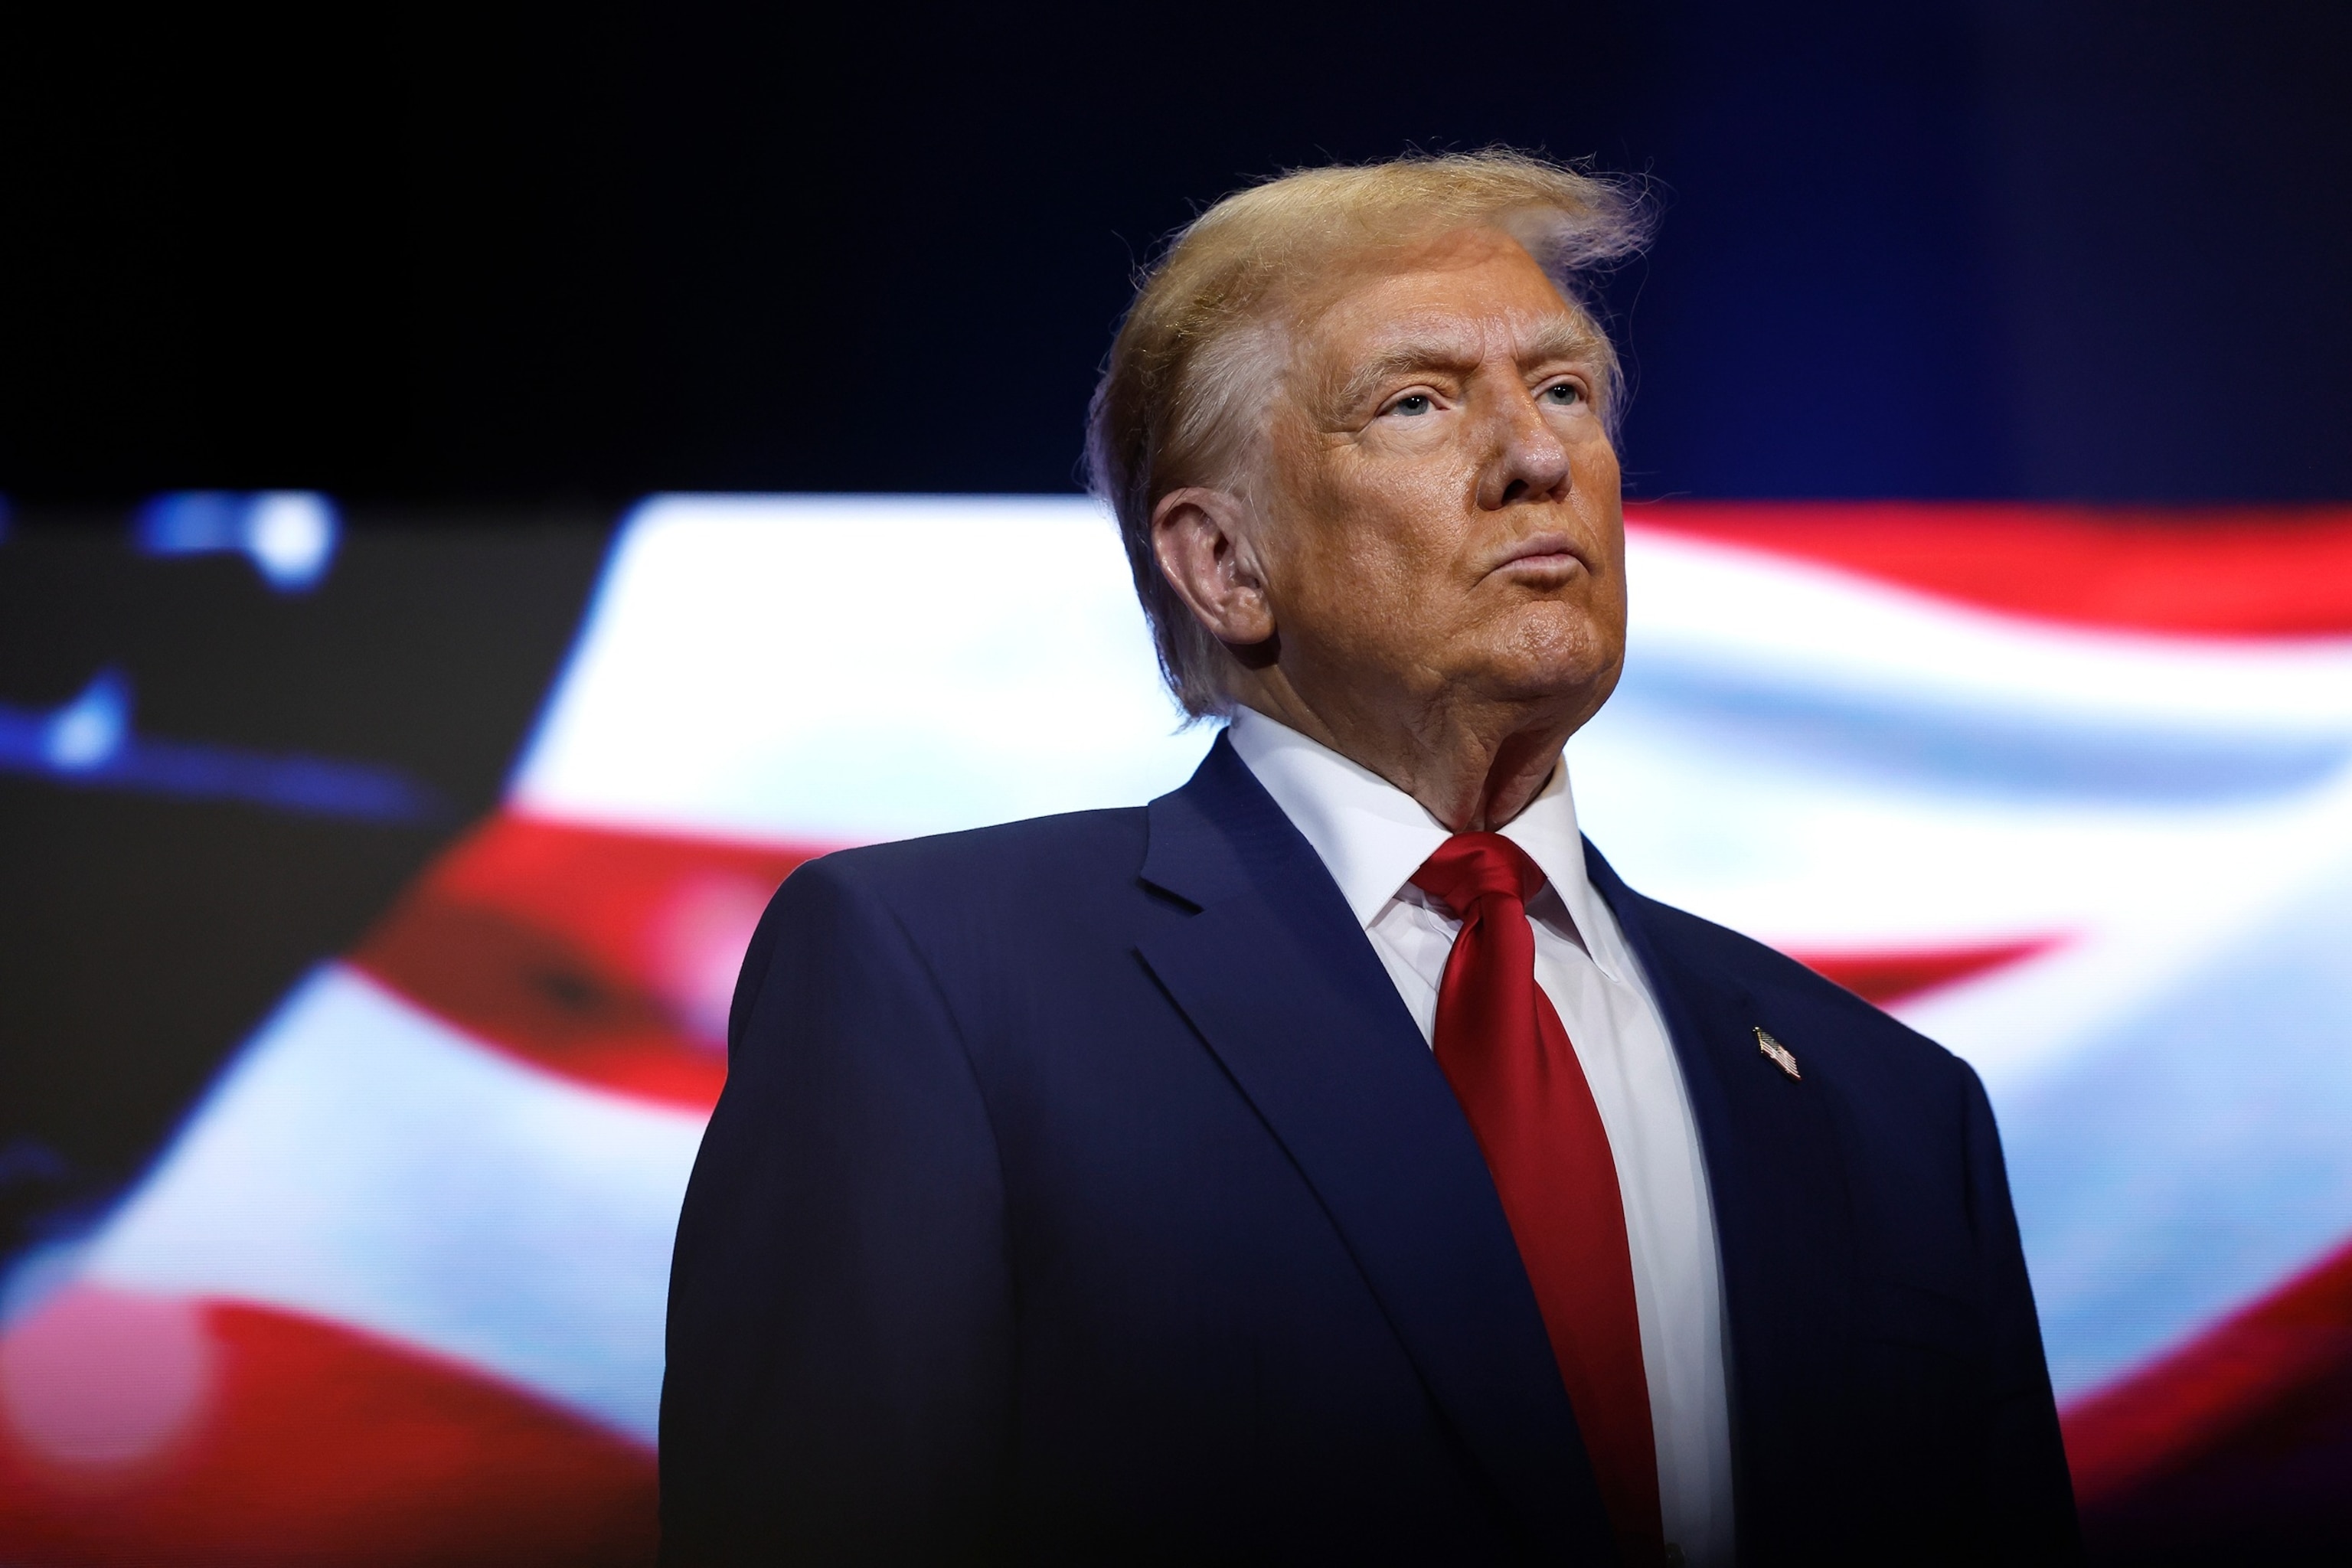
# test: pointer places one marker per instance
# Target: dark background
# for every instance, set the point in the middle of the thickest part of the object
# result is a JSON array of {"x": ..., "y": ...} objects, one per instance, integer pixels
[
  {"x": 143, "y": 936},
  {"x": 2059, "y": 250}
]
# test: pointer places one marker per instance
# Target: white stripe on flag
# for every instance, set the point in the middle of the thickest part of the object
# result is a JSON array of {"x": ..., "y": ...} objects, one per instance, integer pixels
[
  {"x": 844, "y": 669},
  {"x": 363, "y": 1162}
]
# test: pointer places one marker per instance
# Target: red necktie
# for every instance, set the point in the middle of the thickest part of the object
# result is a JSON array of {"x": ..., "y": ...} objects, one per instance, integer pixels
[{"x": 1503, "y": 1050}]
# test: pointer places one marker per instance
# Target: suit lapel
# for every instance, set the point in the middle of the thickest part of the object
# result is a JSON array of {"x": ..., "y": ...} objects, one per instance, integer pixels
[
  {"x": 1783, "y": 1217},
  {"x": 1281, "y": 983}
]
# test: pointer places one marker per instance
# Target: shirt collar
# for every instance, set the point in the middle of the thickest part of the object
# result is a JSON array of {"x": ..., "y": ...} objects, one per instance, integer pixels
[{"x": 1372, "y": 837}]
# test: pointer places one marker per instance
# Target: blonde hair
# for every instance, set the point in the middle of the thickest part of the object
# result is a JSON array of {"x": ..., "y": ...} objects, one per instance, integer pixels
[{"x": 1195, "y": 361}]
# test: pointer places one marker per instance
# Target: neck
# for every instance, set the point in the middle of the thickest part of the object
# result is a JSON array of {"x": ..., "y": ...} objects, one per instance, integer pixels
[{"x": 1474, "y": 765}]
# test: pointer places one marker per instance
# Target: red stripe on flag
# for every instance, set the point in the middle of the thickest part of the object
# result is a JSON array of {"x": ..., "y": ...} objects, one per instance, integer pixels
[
  {"x": 605, "y": 955},
  {"x": 2274, "y": 1380},
  {"x": 2223, "y": 572},
  {"x": 136, "y": 1430},
  {"x": 1889, "y": 976}
]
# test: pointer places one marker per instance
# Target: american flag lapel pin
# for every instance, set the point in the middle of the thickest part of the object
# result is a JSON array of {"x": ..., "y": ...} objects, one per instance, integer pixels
[{"x": 1778, "y": 1054}]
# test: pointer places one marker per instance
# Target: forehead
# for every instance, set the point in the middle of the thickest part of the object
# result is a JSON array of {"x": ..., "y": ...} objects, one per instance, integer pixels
[{"x": 1469, "y": 294}]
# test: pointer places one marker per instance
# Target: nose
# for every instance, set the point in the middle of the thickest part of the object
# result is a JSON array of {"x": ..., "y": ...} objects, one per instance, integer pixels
[{"x": 1530, "y": 460}]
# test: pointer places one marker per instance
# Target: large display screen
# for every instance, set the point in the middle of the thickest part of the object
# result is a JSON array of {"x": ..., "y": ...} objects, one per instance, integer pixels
[{"x": 2071, "y": 792}]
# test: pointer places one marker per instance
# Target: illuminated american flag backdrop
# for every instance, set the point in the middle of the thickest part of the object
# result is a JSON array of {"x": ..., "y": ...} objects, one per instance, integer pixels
[{"x": 2073, "y": 794}]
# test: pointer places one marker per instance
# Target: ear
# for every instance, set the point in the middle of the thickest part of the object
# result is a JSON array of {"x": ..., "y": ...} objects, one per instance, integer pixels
[{"x": 1202, "y": 542}]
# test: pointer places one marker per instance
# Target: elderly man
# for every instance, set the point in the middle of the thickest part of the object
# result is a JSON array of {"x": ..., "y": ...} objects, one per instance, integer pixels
[{"x": 1333, "y": 1161}]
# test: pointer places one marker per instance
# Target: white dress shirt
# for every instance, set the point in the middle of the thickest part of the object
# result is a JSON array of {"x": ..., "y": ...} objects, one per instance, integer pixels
[{"x": 1372, "y": 838}]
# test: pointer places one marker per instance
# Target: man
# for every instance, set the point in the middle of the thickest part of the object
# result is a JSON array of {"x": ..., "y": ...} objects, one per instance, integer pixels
[{"x": 1333, "y": 1159}]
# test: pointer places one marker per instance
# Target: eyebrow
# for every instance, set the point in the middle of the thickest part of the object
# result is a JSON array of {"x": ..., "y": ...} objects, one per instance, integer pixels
[{"x": 1553, "y": 340}]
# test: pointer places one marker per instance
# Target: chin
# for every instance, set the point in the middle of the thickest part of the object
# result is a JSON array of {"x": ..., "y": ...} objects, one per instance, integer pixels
[
  {"x": 1565, "y": 682},
  {"x": 1562, "y": 661}
]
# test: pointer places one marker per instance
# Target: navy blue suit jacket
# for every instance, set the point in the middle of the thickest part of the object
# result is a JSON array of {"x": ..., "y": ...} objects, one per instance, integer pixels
[{"x": 1082, "y": 1191}]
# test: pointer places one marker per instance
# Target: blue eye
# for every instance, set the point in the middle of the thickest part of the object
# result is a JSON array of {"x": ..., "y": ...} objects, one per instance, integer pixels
[
  {"x": 1565, "y": 393},
  {"x": 1412, "y": 404}
]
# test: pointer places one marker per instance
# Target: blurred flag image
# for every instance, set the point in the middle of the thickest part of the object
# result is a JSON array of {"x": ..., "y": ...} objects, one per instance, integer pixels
[{"x": 2069, "y": 792}]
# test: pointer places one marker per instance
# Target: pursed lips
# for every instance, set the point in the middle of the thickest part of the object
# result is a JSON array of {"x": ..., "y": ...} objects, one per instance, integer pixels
[{"x": 1541, "y": 552}]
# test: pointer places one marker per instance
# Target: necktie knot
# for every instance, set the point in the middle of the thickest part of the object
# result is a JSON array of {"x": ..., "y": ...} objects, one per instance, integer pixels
[{"x": 1469, "y": 867}]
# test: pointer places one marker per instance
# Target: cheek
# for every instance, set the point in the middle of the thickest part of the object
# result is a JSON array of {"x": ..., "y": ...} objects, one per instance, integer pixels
[
  {"x": 1357, "y": 579},
  {"x": 1372, "y": 534},
  {"x": 1370, "y": 596},
  {"x": 1593, "y": 463}
]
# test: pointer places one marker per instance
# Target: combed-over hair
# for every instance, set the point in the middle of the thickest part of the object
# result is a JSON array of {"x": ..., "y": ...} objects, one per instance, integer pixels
[{"x": 1197, "y": 359}]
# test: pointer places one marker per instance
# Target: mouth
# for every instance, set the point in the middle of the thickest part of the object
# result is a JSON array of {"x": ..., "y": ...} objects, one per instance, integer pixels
[{"x": 1541, "y": 556}]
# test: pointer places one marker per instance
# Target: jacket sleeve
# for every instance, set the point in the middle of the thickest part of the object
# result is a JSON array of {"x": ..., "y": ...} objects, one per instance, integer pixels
[
  {"x": 2031, "y": 1514},
  {"x": 840, "y": 1337}
]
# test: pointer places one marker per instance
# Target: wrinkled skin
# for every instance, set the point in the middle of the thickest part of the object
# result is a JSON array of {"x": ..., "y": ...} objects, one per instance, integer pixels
[{"x": 1425, "y": 570}]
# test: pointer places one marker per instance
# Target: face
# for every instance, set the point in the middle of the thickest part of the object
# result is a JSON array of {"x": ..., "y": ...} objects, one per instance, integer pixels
[{"x": 1444, "y": 516}]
